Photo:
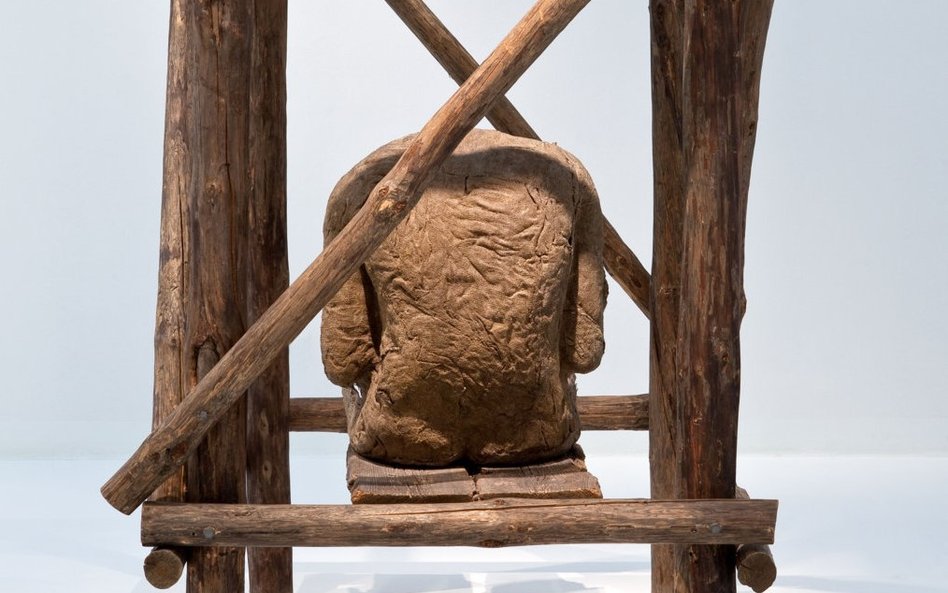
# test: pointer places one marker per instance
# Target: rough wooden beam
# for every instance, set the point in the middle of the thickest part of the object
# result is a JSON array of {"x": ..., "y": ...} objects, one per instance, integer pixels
[
  {"x": 267, "y": 262},
  {"x": 317, "y": 414},
  {"x": 613, "y": 412},
  {"x": 495, "y": 523},
  {"x": 705, "y": 61},
  {"x": 173, "y": 442},
  {"x": 204, "y": 218},
  {"x": 666, "y": 49},
  {"x": 621, "y": 263},
  {"x": 755, "y": 562},
  {"x": 596, "y": 412},
  {"x": 164, "y": 566}
]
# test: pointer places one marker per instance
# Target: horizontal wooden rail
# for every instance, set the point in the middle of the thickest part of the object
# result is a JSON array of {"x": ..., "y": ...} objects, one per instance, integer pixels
[
  {"x": 596, "y": 412},
  {"x": 494, "y": 523},
  {"x": 173, "y": 442},
  {"x": 621, "y": 263}
]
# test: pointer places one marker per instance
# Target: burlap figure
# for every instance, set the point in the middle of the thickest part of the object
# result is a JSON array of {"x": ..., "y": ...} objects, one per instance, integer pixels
[{"x": 463, "y": 330}]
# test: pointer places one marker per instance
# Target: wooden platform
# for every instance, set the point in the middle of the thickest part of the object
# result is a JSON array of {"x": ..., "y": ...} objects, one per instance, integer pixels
[{"x": 373, "y": 483}]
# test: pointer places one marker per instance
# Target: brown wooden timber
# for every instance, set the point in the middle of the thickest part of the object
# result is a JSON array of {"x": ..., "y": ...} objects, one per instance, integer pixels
[
  {"x": 566, "y": 478},
  {"x": 216, "y": 129},
  {"x": 172, "y": 443},
  {"x": 755, "y": 562},
  {"x": 170, "y": 386},
  {"x": 371, "y": 482},
  {"x": 204, "y": 198},
  {"x": 164, "y": 566},
  {"x": 621, "y": 263},
  {"x": 706, "y": 59},
  {"x": 666, "y": 49},
  {"x": 267, "y": 273},
  {"x": 495, "y": 523},
  {"x": 596, "y": 412}
]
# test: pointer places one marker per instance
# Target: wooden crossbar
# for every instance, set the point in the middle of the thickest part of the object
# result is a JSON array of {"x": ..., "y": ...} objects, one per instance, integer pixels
[
  {"x": 494, "y": 523},
  {"x": 170, "y": 444},
  {"x": 620, "y": 261},
  {"x": 596, "y": 412}
]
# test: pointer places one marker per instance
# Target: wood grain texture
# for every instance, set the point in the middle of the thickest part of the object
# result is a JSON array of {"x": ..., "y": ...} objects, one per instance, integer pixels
[
  {"x": 621, "y": 263},
  {"x": 267, "y": 276},
  {"x": 596, "y": 412},
  {"x": 496, "y": 523},
  {"x": 205, "y": 199},
  {"x": 164, "y": 566},
  {"x": 705, "y": 59},
  {"x": 566, "y": 478},
  {"x": 755, "y": 562},
  {"x": 172, "y": 443},
  {"x": 370, "y": 482}
]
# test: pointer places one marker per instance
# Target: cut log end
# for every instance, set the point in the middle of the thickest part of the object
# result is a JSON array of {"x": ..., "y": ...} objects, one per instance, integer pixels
[
  {"x": 164, "y": 567},
  {"x": 755, "y": 567}
]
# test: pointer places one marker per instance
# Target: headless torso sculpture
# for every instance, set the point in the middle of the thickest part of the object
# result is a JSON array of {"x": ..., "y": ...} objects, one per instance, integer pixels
[{"x": 463, "y": 331}]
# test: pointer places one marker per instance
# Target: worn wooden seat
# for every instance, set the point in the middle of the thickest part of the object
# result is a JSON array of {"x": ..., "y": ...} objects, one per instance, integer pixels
[{"x": 373, "y": 482}]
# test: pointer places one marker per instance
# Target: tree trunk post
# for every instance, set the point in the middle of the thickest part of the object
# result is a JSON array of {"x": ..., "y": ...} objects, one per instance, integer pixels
[
  {"x": 268, "y": 398},
  {"x": 706, "y": 59},
  {"x": 223, "y": 261}
]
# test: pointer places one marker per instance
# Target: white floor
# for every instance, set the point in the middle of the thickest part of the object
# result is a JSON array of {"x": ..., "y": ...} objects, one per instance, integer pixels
[{"x": 846, "y": 525}]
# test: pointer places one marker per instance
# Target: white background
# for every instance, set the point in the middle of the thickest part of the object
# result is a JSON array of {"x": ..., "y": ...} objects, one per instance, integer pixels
[{"x": 844, "y": 341}]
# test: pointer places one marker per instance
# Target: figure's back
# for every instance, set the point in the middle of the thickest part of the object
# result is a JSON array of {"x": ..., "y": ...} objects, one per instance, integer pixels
[{"x": 472, "y": 306}]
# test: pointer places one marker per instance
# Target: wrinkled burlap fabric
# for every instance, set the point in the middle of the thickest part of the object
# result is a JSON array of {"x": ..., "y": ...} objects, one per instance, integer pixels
[{"x": 463, "y": 330}]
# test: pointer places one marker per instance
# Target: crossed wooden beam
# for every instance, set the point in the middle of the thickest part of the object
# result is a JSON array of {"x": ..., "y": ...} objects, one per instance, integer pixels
[
  {"x": 171, "y": 443},
  {"x": 621, "y": 263}
]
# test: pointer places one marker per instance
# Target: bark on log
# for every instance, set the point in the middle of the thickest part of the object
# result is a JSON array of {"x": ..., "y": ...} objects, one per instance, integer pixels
[
  {"x": 205, "y": 201},
  {"x": 597, "y": 412},
  {"x": 267, "y": 274},
  {"x": 215, "y": 130},
  {"x": 164, "y": 566},
  {"x": 755, "y": 562},
  {"x": 706, "y": 59},
  {"x": 495, "y": 523},
  {"x": 170, "y": 386},
  {"x": 170, "y": 445},
  {"x": 621, "y": 262},
  {"x": 666, "y": 49}
]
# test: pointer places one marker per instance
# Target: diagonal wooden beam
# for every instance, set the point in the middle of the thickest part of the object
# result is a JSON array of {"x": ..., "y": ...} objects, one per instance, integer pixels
[
  {"x": 621, "y": 263},
  {"x": 170, "y": 445}
]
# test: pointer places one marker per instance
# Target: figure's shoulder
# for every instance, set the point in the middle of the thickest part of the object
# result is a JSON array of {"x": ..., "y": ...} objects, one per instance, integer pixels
[
  {"x": 543, "y": 164},
  {"x": 354, "y": 187},
  {"x": 485, "y": 153}
]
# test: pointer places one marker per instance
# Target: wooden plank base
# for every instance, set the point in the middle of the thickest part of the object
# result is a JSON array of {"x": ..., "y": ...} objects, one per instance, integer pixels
[
  {"x": 491, "y": 524},
  {"x": 376, "y": 483},
  {"x": 371, "y": 482}
]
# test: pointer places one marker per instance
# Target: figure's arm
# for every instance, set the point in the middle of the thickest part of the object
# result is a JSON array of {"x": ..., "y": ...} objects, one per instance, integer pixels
[
  {"x": 348, "y": 350},
  {"x": 349, "y": 354},
  {"x": 582, "y": 343}
]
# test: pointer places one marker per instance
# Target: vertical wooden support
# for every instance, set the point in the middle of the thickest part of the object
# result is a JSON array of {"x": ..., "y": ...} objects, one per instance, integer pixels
[
  {"x": 706, "y": 59},
  {"x": 268, "y": 397},
  {"x": 223, "y": 222},
  {"x": 217, "y": 60}
]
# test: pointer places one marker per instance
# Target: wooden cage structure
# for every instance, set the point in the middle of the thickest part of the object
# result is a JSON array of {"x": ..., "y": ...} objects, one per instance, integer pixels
[{"x": 215, "y": 469}]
